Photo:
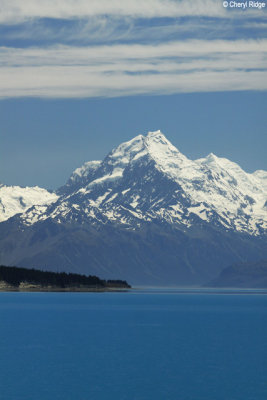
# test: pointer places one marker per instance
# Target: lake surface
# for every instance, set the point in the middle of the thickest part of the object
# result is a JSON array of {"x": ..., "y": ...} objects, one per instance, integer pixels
[{"x": 137, "y": 345}]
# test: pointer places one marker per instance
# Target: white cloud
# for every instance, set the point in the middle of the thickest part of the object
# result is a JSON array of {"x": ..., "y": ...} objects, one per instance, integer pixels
[
  {"x": 82, "y": 82},
  {"x": 190, "y": 66},
  {"x": 114, "y": 54},
  {"x": 16, "y": 10}
]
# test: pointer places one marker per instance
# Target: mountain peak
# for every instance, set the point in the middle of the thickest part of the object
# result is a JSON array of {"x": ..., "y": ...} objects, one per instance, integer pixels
[
  {"x": 211, "y": 157},
  {"x": 155, "y": 134},
  {"x": 154, "y": 145},
  {"x": 164, "y": 153},
  {"x": 220, "y": 184},
  {"x": 158, "y": 139}
]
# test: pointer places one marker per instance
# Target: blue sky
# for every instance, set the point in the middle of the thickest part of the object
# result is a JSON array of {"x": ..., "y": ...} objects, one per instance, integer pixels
[{"x": 79, "y": 77}]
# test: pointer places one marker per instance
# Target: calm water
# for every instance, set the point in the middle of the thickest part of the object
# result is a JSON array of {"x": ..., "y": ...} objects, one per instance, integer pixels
[{"x": 158, "y": 345}]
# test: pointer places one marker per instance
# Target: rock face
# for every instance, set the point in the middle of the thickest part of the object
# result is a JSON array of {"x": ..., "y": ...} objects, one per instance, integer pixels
[{"x": 147, "y": 214}]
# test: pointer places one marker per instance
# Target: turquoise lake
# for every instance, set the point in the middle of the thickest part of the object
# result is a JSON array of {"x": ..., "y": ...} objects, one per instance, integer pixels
[{"x": 136, "y": 345}]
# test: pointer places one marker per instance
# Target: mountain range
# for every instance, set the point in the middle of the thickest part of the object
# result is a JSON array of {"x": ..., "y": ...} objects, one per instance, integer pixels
[{"x": 146, "y": 213}]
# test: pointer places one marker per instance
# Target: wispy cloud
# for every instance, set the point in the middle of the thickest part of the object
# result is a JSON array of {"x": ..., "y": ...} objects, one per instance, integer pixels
[
  {"x": 195, "y": 65},
  {"x": 16, "y": 11},
  {"x": 81, "y": 48},
  {"x": 113, "y": 54},
  {"x": 112, "y": 29},
  {"x": 86, "y": 30}
]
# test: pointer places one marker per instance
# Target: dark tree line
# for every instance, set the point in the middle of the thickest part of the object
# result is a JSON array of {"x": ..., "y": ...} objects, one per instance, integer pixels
[{"x": 14, "y": 276}]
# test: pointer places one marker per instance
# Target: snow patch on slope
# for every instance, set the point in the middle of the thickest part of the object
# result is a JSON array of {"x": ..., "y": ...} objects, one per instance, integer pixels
[
  {"x": 16, "y": 199},
  {"x": 84, "y": 170}
]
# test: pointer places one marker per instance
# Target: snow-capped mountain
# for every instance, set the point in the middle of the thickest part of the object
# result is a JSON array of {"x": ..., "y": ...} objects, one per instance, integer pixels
[
  {"x": 148, "y": 214},
  {"x": 148, "y": 178},
  {"x": 16, "y": 199}
]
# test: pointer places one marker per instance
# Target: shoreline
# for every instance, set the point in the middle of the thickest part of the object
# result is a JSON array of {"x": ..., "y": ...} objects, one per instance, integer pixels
[{"x": 25, "y": 287}]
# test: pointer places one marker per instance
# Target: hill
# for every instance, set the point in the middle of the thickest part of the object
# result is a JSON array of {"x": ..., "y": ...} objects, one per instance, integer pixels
[{"x": 242, "y": 275}]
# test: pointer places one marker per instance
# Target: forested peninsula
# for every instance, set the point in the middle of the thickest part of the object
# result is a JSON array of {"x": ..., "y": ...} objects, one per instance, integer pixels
[{"x": 23, "y": 279}]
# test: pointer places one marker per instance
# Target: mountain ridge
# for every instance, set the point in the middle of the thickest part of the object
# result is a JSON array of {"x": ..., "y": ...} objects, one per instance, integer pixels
[
  {"x": 209, "y": 187},
  {"x": 147, "y": 211}
]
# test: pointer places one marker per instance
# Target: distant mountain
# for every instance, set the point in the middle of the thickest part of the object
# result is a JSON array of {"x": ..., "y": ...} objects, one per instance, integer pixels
[
  {"x": 242, "y": 275},
  {"x": 147, "y": 214},
  {"x": 16, "y": 199}
]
